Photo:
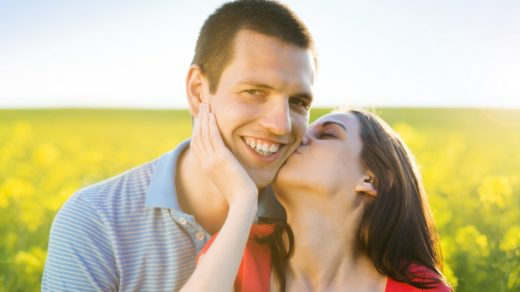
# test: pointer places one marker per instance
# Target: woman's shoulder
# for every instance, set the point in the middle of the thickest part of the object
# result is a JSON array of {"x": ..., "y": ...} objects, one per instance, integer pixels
[{"x": 421, "y": 272}]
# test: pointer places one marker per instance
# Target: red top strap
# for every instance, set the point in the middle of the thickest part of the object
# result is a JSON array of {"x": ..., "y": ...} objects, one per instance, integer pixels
[{"x": 254, "y": 274}]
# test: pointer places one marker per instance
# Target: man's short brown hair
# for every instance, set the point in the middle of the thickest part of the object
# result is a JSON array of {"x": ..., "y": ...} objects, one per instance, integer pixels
[{"x": 215, "y": 45}]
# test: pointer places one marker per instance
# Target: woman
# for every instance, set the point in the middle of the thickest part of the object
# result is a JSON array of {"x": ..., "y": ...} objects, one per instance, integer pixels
[{"x": 358, "y": 215}]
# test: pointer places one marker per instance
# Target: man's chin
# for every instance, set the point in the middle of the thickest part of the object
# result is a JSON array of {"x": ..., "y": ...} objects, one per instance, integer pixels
[
  {"x": 262, "y": 180},
  {"x": 263, "y": 184}
]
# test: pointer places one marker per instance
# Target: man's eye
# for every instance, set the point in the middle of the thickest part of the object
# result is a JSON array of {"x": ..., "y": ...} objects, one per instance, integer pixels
[
  {"x": 254, "y": 91},
  {"x": 300, "y": 103}
]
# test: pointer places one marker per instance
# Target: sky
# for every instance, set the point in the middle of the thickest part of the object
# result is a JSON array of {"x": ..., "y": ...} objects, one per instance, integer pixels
[{"x": 135, "y": 54}]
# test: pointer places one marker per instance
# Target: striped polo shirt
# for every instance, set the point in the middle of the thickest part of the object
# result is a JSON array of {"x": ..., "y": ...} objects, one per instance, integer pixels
[{"x": 127, "y": 233}]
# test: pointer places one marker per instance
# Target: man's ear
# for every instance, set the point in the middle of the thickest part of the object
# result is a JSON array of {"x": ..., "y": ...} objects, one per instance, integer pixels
[
  {"x": 195, "y": 88},
  {"x": 367, "y": 185}
]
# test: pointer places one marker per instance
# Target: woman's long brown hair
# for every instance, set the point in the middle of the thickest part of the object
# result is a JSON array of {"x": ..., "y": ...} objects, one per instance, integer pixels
[{"x": 397, "y": 228}]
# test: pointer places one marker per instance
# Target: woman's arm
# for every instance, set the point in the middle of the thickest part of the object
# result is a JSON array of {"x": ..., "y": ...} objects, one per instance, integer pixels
[{"x": 217, "y": 269}]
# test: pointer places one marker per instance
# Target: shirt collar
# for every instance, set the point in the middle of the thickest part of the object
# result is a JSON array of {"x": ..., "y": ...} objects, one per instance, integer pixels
[{"x": 161, "y": 191}]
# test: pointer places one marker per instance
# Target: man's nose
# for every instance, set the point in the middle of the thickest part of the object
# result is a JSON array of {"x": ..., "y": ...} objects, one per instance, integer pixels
[{"x": 277, "y": 119}]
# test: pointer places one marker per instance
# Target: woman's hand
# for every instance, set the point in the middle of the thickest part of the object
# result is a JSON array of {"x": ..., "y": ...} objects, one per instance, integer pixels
[
  {"x": 219, "y": 164},
  {"x": 217, "y": 270}
]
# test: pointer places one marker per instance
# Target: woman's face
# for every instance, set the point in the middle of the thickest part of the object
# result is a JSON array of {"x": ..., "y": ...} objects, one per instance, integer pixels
[{"x": 327, "y": 161}]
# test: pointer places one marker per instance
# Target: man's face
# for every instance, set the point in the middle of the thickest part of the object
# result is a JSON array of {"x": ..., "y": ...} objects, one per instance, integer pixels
[{"x": 262, "y": 102}]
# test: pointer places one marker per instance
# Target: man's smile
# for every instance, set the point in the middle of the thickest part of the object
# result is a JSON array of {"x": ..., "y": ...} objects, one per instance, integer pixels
[{"x": 262, "y": 147}]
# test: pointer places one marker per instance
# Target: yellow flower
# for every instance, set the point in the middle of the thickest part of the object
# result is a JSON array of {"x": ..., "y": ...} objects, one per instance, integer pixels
[
  {"x": 30, "y": 262},
  {"x": 22, "y": 131},
  {"x": 45, "y": 154},
  {"x": 450, "y": 275},
  {"x": 4, "y": 199},
  {"x": 511, "y": 241},
  {"x": 16, "y": 188},
  {"x": 31, "y": 215},
  {"x": 471, "y": 241},
  {"x": 495, "y": 191}
]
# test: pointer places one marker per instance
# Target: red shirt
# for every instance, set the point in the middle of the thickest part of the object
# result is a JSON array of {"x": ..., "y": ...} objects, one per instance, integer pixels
[{"x": 254, "y": 274}]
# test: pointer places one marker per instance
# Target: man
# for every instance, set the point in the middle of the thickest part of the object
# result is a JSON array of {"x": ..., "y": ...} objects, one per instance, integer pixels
[{"x": 254, "y": 66}]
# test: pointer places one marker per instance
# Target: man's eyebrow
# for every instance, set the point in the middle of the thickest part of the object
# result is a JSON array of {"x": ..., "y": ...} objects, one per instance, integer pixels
[
  {"x": 255, "y": 83},
  {"x": 334, "y": 123}
]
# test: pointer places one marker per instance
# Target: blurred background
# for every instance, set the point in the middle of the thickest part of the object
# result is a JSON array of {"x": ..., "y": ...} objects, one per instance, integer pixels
[
  {"x": 70, "y": 53},
  {"x": 91, "y": 88}
]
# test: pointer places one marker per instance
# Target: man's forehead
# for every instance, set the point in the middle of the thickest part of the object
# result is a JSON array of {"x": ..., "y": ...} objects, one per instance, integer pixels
[
  {"x": 269, "y": 63},
  {"x": 248, "y": 33},
  {"x": 247, "y": 40}
]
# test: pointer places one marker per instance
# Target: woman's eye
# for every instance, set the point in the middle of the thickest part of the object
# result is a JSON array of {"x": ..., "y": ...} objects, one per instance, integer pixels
[{"x": 326, "y": 135}]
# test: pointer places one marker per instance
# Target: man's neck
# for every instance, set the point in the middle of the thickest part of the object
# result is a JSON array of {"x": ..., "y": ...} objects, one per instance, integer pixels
[{"x": 197, "y": 196}]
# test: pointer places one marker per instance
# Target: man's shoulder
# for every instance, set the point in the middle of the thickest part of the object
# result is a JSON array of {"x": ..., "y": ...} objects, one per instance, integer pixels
[
  {"x": 82, "y": 233},
  {"x": 135, "y": 178},
  {"x": 108, "y": 195}
]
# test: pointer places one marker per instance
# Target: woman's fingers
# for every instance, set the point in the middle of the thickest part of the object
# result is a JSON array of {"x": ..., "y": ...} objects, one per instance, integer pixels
[
  {"x": 214, "y": 134},
  {"x": 197, "y": 139},
  {"x": 206, "y": 140},
  {"x": 217, "y": 161},
  {"x": 204, "y": 125},
  {"x": 195, "y": 133}
]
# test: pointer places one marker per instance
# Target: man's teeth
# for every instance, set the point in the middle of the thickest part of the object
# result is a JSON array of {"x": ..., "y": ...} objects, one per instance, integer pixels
[{"x": 263, "y": 149}]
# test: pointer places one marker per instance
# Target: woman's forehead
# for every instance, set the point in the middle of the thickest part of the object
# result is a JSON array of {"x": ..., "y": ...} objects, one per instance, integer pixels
[{"x": 346, "y": 119}]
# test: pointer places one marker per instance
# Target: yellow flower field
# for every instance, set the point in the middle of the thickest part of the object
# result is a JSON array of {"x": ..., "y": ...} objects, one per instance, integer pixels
[{"x": 469, "y": 159}]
